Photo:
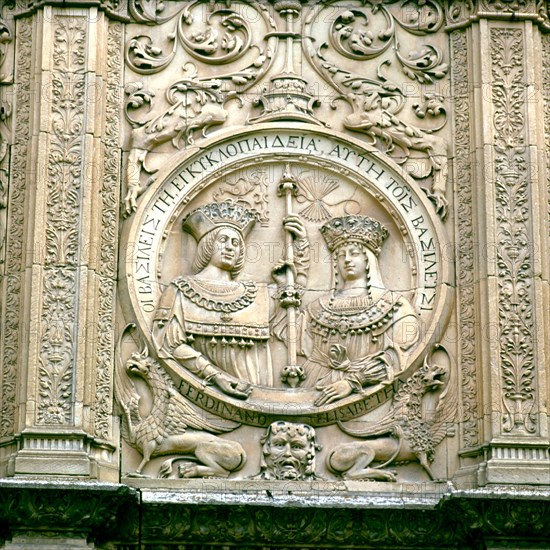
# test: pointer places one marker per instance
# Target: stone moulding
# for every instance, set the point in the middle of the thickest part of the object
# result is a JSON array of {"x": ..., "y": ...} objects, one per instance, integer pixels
[
  {"x": 463, "y": 184},
  {"x": 116, "y": 516},
  {"x": 461, "y": 13}
]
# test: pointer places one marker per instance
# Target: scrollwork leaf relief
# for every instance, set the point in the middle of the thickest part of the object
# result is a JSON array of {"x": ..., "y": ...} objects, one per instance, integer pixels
[
  {"x": 514, "y": 256},
  {"x": 463, "y": 184},
  {"x": 63, "y": 211},
  {"x": 56, "y": 369},
  {"x": 15, "y": 236},
  {"x": 372, "y": 35}
]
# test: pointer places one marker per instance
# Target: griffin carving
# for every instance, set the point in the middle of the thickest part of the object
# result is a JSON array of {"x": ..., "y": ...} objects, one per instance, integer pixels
[
  {"x": 407, "y": 433},
  {"x": 173, "y": 425}
]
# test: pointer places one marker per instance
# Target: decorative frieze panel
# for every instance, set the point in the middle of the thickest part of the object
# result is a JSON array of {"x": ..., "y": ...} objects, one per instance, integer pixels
[
  {"x": 15, "y": 246},
  {"x": 463, "y": 182},
  {"x": 63, "y": 221},
  {"x": 514, "y": 253},
  {"x": 305, "y": 133},
  {"x": 107, "y": 268}
]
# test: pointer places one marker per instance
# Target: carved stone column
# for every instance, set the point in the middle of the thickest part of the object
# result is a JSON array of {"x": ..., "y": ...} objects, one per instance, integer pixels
[
  {"x": 502, "y": 205},
  {"x": 59, "y": 306},
  {"x": 7, "y": 372}
]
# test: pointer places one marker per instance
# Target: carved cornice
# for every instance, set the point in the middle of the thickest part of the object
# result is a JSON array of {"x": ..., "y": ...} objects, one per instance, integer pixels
[
  {"x": 63, "y": 509},
  {"x": 117, "y": 516},
  {"x": 462, "y": 13},
  {"x": 459, "y": 13},
  {"x": 117, "y": 9}
]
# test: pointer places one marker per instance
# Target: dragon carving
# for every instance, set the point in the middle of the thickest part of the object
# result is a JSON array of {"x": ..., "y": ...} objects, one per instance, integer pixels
[
  {"x": 194, "y": 105},
  {"x": 405, "y": 434},
  {"x": 173, "y": 425}
]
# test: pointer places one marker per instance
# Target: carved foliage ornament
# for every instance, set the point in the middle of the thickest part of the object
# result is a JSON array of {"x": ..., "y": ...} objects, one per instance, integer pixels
[
  {"x": 64, "y": 178},
  {"x": 514, "y": 257},
  {"x": 109, "y": 192},
  {"x": 200, "y": 37},
  {"x": 465, "y": 252},
  {"x": 15, "y": 238}
]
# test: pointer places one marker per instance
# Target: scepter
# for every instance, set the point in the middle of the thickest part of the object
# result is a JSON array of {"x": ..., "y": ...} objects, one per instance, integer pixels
[{"x": 292, "y": 374}]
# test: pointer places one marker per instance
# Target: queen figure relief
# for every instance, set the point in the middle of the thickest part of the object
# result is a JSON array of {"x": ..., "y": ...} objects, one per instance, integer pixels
[{"x": 360, "y": 332}]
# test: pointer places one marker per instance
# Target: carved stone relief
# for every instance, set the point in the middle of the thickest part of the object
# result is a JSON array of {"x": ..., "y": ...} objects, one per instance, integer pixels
[
  {"x": 11, "y": 307},
  {"x": 285, "y": 266},
  {"x": 463, "y": 178},
  {"x": 298, "y": 320},
  {"x": 514, "y": 257},
  {"x": 212, "y": 69},
  {"x": 62, "y": 223},
  {"x": 258, "y": 284}
]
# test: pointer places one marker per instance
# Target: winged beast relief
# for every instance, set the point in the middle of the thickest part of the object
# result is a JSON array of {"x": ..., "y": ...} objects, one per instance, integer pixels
[
  {"x": 172, "y": 424},
  {"x": 194, "y": 105},
  {"x": 407, "y": 433}
]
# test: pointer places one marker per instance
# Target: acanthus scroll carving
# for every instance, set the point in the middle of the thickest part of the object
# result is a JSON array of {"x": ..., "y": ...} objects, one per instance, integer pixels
[
  {"x": 64, "y": 197},
  {"x": 372, "y": 35},
  {"x": 365, "y": 34},
  {"x": 514, "y": 257},
  {"x": 15, "y": 235},
  {"x": 192, "y": 103},
  {"x": 109, "y": 236},
  {"x": 463, "y": 183}
]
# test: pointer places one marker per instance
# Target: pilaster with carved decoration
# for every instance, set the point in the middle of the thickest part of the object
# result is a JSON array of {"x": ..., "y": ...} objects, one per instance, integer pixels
[
  {"x": 69, "y": 189},
  {"x": 509, "y": 299}
]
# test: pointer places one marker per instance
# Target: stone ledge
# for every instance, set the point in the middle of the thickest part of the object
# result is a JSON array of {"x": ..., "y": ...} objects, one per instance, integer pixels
[{"x": 118, "y": 516}]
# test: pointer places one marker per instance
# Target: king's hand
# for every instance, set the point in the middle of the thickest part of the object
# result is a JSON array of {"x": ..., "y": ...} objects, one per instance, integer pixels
[
  {"x": 295, "y": 226},
  {"x": 232, "y": 386}
]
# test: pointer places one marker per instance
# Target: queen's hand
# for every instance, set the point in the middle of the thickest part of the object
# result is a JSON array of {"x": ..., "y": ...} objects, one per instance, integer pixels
[{"x": 333, "y": 392}]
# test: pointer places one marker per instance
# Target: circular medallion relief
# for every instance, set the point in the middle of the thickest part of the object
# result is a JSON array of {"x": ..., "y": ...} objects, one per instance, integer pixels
[{"x": 286, "y": 274}]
